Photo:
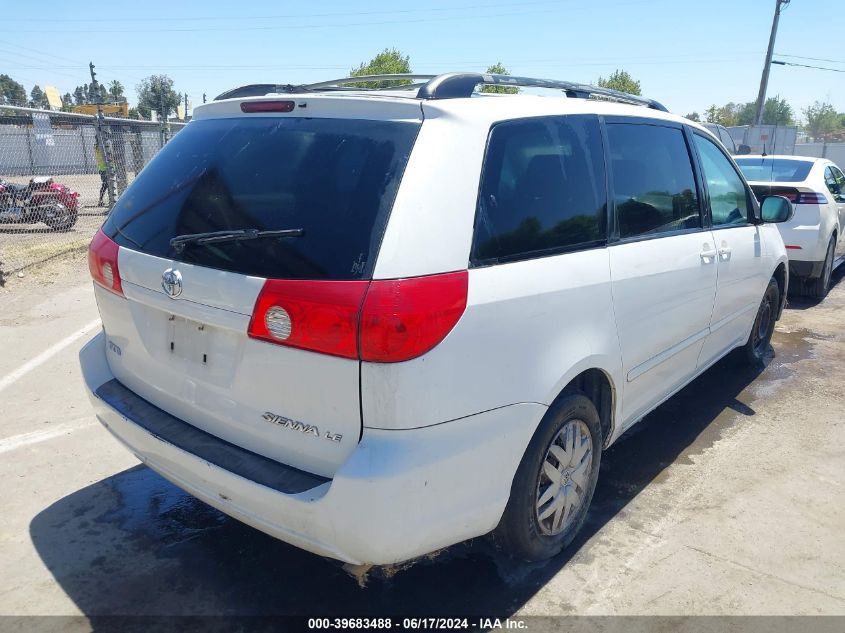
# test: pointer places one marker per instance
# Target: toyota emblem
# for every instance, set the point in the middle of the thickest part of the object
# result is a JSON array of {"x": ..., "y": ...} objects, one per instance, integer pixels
[{"x": 171, "y": 283}]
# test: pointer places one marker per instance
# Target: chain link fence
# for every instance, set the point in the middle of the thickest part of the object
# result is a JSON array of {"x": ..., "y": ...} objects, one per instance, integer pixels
[{"x": 56, "y": 185}]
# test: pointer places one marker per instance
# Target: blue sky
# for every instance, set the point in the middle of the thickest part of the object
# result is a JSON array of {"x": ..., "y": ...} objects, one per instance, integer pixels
[{"x": 687, "y": 54}]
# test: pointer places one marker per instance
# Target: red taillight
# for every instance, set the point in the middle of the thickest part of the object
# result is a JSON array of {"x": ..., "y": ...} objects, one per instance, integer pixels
[
  {"x": 102, "y": 262},
  {"x": 810, "y": 197},
  {"x": 384, "y": 321},
  {"x": 321, "y": 316},
  {"x": 792, "y": 247},
  {"x": 267, "y": 106},
  {"x": 405, "y": 318}
]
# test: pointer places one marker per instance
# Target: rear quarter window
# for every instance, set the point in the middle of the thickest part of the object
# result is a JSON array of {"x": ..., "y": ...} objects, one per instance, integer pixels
[
  {"x": 774, "y": 169},
  {"x": 543, "y": 190},
  {"x": 335, "y": 179}
]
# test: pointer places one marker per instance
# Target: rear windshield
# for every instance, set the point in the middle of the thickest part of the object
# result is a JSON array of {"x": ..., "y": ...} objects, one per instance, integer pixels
[
  {"x": 335, "y": 179},
  {"x": 774, "y": 169}
]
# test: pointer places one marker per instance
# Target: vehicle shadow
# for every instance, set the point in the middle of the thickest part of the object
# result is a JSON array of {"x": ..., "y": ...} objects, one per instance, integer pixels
[{"x": 134, "y": 544}]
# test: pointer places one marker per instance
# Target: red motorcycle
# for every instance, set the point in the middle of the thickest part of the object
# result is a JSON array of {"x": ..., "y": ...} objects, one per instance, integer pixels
[{"x": 42, "y": 200}]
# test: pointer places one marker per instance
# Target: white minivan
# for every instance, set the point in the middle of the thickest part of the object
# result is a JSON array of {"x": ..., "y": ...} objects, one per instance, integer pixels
[{"x": 375, "y": 323}]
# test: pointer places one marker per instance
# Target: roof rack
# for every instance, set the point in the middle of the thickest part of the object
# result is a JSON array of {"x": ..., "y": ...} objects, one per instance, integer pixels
[
  {"x": 457, "y": 85},
  {"x": 448, "y": 86},
  {"x": 259, "y": 90}
]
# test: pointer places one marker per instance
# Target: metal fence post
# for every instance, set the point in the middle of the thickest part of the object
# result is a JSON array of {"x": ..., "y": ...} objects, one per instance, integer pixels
[
  {"x": 29, "y": 133},
  {"x": 103, "y": 140},
  {"x": 84, "y": 153}
]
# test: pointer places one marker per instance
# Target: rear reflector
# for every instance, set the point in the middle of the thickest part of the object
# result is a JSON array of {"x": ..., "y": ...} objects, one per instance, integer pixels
[
  {"x": 790, "y": 246},
  {"x": 267, "y": 106},
  {"x": 102, "y": 262},
  {"x": 383, "y": 321}
]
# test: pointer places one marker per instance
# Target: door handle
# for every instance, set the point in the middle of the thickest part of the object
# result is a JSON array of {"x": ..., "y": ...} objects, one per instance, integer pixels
[
  {"x": 708, "y": 255},
  {"x": 725, "y": 253}
]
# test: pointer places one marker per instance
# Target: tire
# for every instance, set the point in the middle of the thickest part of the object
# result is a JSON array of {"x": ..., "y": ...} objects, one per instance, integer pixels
[
  {"x": 59, "y": 218},
  {"x": 754, "y": 352},
  {"x": 817, "y": 288},
  {"x": 521, "y": 532}
]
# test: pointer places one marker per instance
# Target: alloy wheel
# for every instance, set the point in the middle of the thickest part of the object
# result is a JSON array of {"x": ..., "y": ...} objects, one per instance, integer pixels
[{"x": 563, "y": 477}]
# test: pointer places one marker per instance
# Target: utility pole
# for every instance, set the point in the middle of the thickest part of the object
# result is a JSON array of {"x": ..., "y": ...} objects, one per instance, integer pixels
[
  {"x": 203, "y": 97},
  {"x": 764, "y": 80},
  {"x": 162, "y": 120},
  {"x": 102, "y": 141},
  {"x": 186, "y": 107}
]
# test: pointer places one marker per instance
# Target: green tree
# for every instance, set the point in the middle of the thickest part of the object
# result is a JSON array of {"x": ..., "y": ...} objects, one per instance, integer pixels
[
  {"x": 726, "y": 115},
  {"x": 499, "y": 69},
  {"x": 822, "y": 119},
  {"x": 67, "y": 102},
  {"x": 37, "y": 98},
  {"x": 80, "y": 94},
  {"x": 623, "y": 82},
  {"x": 388, "y": 62},
  {"x": 745, "y": 113},
  {"x": 156, "y": 93},
  {"x": 11, "y": 92},
  {"x": 777, "y": 111},
  {"x": 694, "y": 116},
  {"x": 115, "y": 89}
]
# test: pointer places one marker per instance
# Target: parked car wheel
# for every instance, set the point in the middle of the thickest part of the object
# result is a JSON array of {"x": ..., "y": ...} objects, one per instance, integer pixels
[
  {"x": 817, "y": 288},
  {"x": 764, "y": 325},
  {"x": 59, "y": 218},
  {"x": 554, "y": 483}
]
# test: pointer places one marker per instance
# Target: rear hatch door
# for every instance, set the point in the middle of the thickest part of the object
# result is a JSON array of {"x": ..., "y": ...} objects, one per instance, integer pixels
[{"x": 180, "y": 337}]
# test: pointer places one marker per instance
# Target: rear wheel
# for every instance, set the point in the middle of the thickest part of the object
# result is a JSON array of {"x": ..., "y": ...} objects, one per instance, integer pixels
[
  {"x": 817, "y": 288},
  {"x": 58, "y": 217},
  {"x": 764, "y": 326},
  {"x": 554, "y": 483}
]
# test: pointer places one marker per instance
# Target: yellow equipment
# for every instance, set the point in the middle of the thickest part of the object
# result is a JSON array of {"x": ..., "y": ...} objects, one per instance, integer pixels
[{"x": 109, "y": 109}]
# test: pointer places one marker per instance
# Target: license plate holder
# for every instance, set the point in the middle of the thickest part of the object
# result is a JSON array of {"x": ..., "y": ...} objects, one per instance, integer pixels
[{"x": 189, "y": 340}]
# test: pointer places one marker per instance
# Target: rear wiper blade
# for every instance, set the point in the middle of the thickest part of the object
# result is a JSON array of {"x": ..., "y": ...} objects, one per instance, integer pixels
[{"x": 179, "y": 242}]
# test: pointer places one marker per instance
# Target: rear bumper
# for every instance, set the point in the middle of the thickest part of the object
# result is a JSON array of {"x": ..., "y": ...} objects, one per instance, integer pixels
[{"x": 401, "y": 494}]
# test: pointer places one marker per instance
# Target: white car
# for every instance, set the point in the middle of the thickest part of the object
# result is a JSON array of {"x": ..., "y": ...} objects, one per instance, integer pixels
[
  {"x": 375, "y": 324},
  {"x": 814, "y": 237}
]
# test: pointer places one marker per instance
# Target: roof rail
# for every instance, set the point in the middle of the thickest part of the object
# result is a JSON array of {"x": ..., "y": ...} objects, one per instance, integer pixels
[
  {"x": 458, "y": 85},
  {"x": 356, "y": 80},
  {"x": 447, "y": 86},
  {"x": 259, "y": 90}
]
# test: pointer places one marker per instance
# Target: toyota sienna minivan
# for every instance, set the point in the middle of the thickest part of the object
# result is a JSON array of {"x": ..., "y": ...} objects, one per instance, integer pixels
[{"x": 375, "y": 323}]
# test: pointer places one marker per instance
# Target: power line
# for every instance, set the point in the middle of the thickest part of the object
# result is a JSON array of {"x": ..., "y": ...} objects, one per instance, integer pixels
[
  {"x": 198, "y": 18},
  {"x": 815, "y": 59},
  {"x": 834, "y": 70},
  {"x": 343, "y": 25}
]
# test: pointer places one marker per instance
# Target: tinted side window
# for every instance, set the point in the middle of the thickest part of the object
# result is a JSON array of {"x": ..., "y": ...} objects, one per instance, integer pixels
[
  {"x": 542, "y": 189},
  {"x": 728, "y": 197},
  {"x": 654, "y": 187},
  {"x": 840, "y": 179},
  {"x": 830, "y": 181},
  {"x": 726, "y": 139}
]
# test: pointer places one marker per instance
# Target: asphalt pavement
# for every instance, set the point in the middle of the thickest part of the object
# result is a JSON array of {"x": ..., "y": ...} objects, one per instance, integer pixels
[{"x": 729, "y": 499}]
